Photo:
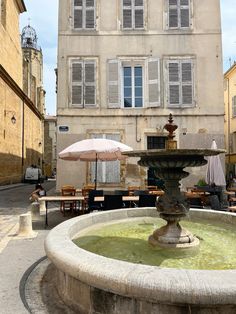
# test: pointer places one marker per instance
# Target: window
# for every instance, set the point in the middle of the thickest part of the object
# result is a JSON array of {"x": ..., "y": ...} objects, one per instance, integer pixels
[
  {"x": 83, "y": 82},
  {"x": 107, "y": 171},
  {"x": 156, "y": 142},
  {"x": 133, "y": 14},
  {"x": 180, "y": 83},
  {"x": 178, "y": 14},
  {"x": 234, "y": 106},
  {"x": 128, "y": 83},
  {"x": 133, "y": 86},
  {"x": 84, "y": 14}
]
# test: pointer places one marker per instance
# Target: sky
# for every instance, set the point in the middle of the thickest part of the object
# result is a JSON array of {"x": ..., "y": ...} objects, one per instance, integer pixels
[{"x": 45, "y": 22}]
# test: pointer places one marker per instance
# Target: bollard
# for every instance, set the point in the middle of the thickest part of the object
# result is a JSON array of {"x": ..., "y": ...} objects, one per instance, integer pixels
[
  {"x": 35, "y": 211},
  {"x": 25, "y": 225}
]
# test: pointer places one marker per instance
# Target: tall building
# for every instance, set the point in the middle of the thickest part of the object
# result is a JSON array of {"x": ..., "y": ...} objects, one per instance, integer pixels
[
  {"x": 20, "y": 119},
  {"x": 230, "y": 121},
  {"x": 123, "y": 66}
]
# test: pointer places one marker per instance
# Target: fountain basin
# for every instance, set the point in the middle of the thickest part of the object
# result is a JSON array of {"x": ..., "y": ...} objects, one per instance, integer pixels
[{"x": 95, "y": 284}]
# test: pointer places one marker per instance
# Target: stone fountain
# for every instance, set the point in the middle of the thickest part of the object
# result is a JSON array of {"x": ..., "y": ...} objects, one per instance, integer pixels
[
  {"x": 173, "y": 206},
  {"x": 92, "y": 283}
]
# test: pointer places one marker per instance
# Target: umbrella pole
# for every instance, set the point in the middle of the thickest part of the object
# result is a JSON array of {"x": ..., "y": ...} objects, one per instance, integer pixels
[{"x": 96, "y": 169}]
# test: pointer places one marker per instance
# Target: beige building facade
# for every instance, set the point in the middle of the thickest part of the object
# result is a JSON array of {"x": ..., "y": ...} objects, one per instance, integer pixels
[
  {"x": 230, "y": 119},
  {"x": 123, "y": 66},
  {"x": 50, "y": 145},
  {"x": 20, "y": 120}
]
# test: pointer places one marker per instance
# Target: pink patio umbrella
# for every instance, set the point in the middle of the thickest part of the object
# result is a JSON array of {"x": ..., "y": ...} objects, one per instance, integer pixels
[
  {"x": 95, "y": 149},
  {"x": 215, "y": 174}
]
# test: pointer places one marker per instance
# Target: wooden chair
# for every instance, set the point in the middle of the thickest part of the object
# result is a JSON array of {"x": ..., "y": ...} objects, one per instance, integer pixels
[
  {"x": 70, "y": 205},
  {"x": 85, "y": 194}
]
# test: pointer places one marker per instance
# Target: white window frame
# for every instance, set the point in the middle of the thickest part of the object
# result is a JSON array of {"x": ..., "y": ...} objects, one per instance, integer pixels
[
  {"x": 133, "y": 8},
  {"x": 179, "y": 7},
  {"x": 133, "y": 64},
  {"x": 83, "y": 8},
  {"x": 83, "y": 61},
  {"x": 180, "y": 61}
]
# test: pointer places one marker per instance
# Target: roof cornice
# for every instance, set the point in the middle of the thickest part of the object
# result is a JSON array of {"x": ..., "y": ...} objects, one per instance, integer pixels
[
  {"x": 230, "y": 70},
  {"x": 21, "y": 5}
]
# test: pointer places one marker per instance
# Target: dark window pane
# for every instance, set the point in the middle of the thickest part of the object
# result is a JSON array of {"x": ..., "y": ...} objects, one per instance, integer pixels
[
  {"x": 127, "y": 81},
  {"x": 138, "y": 18},
  {"x": 77, "y": 18},
  {"x": 127, "y": 92},
  {"x": 90, "y": 23},
  {"x": 76, "y": 72},
  {"x": 138, "y": 81},
  {"x": 138, "y": 71},
  {"x": 89, "y": 72},
  {"x": 138, "y": 102},
  {"x": 156, "y": 142},
  {"x": 127, "y": 71},
  {"x": 127, "y": 102},
  {"x": 89, "y": 95},
  {"x": 138, "y": 92},
  {"x": 187, "y": 95},
  {"x": 76, "y": 95},
  {"x": 184, "y": 2},
  {"x": 184, "y": 14}
]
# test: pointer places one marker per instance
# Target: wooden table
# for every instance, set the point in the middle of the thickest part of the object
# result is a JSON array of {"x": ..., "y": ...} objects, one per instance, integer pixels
[
  {"x": 55, "y": 198},
  {"x": 124, "y": 198}
]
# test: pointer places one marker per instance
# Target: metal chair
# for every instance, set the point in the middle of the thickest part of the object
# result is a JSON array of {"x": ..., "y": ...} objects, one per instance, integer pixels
[
  {"x": 92, "y": 205},
  {"x": 113, "y": 202},
  {"x": 147, "y": 200}
]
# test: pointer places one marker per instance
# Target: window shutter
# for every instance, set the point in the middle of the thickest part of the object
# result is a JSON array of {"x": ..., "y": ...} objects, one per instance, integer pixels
[
  {"x": 76, "y": 83},
  {"x": 113, "y": 84},
  {"x": 78, "y": 14},
  {"x": 187, "y": 84},
  {"x": 127, "y": 14},
  {"x": 234, "y": 106},
  {"x": 153, "y": 82},
  {"x": 173, "y": 18},
  {"x": 174, "y": 84},
  {"x": 90, "y": 14},
  {"x": 138, "y": 14},
  {"x": 184, "y": 13},
  {"x": 89, "y": 84}
]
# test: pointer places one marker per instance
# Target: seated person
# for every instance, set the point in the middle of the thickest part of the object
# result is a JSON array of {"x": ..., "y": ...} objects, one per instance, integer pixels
[{"x": 39, "y": 191}]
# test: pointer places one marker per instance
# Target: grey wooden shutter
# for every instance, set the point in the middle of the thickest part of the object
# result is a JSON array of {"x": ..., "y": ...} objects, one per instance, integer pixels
[
  {"x": 234, "y": 106},
  {"x": 89, "y": 83},
  {"x": 78, "y": 14},
  {"x": 127, "y": 14},
  {"x": 90, "y": 14},
  {"x": 153, "y": 82},
  {"x": 187, "y": 83},
  {"x": 76, "y": 83},
  {"x": 173, "y": 13},
  {"x": 184, "y": 13},
  {"x": 173, "y": 84},
  {"x": 113, "y": 84},
  {"x": 138, "y": 14},
  {"x": 112, "y": 171}
]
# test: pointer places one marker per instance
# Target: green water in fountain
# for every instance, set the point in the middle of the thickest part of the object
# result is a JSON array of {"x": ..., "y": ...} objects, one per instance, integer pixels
[{"x": 127, "y": 241}]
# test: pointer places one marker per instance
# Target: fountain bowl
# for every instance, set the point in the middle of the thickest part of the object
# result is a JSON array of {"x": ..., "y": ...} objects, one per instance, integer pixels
[{"x": 90, "y": 283}]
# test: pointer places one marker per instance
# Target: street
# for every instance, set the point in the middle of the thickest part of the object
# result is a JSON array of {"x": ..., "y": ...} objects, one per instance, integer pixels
[{"x": 14, "y": 202}]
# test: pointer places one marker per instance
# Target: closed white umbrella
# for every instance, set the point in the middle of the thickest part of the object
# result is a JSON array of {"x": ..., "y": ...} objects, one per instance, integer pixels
[
  {"x": 95, "y": 149},
  {"x": 215, "y": 174}
]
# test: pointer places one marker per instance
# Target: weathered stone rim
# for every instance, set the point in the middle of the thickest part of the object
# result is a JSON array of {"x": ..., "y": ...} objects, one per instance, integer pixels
[
  {"x": 174, "y": 152},
  {"x": 164, "y": 285}
]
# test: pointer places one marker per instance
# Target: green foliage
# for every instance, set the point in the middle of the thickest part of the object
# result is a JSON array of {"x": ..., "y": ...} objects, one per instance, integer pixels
[{"x": 201, "y": 182}]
